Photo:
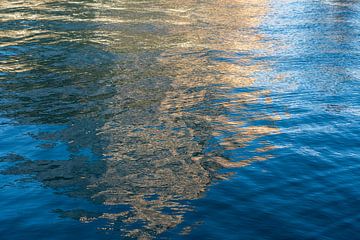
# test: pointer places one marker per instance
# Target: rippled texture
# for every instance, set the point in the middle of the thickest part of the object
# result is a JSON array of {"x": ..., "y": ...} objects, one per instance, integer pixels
[{"x": 179, "y": 119}]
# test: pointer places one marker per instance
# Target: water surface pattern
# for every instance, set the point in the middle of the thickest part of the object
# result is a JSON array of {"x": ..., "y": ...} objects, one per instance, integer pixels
[{"x": 159, "y": 119}]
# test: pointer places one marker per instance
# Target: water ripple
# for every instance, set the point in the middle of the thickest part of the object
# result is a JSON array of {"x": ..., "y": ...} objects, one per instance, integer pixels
[{"x": 155, "y": 119}]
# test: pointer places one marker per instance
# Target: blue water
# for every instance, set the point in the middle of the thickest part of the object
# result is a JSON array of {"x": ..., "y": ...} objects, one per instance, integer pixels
[{"x": 179, "y": 119}]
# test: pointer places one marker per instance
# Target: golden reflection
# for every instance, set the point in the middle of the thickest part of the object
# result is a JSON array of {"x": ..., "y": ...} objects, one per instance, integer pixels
[
  {"x": 226, "y": 28},
  {"x": 179, "y": 168}
]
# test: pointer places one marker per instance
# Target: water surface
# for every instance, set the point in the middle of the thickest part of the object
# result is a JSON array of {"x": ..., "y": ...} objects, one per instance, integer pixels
[{"x": 185, "y": 119}]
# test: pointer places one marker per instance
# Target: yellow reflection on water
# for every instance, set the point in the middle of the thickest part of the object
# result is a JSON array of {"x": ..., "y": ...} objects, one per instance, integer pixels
[{"x": 179, "y": 171}]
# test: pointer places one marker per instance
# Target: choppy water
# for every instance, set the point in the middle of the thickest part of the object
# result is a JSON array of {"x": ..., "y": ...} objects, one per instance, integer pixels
[{"x": 222, "y": 119}]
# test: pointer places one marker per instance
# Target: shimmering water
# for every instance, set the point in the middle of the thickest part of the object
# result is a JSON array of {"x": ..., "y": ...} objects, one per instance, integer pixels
[{"x": 221, "y": 119}]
